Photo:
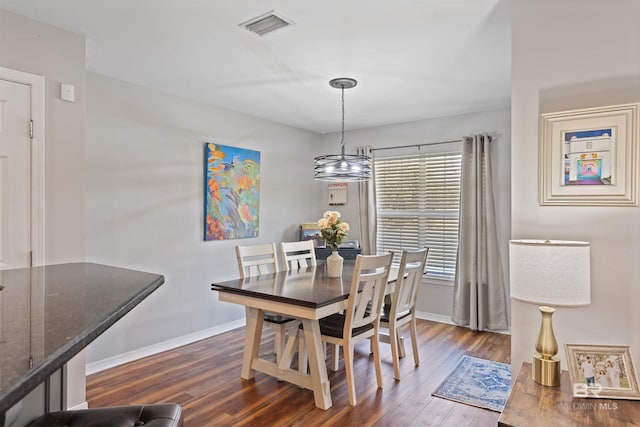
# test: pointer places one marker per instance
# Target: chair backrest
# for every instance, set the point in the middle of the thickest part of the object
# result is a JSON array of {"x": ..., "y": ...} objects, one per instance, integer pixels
[
  {"x": 298, "y": 254},
  {"x": 410, "y": 274},
  {"x": 370, "y": 277},
  {"x": 257, "y": 260}
]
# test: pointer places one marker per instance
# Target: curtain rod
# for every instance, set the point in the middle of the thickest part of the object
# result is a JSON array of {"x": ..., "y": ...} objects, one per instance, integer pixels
[
  {"x": 466, "y": 139},
  {"x": 416, "y": 145}
]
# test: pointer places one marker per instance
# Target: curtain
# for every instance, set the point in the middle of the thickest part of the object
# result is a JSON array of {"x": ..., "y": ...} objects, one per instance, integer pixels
[
  {"x": 480, "y": 295},
  {"x": 367, "y": 208}
]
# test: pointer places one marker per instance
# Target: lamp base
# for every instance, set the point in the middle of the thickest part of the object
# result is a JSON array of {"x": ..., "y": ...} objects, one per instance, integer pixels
[{"x": 546, "y": 371}]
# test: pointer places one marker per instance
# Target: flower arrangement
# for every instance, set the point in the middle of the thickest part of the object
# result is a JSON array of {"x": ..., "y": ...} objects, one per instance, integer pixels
[{"x": 333, "y": 229}]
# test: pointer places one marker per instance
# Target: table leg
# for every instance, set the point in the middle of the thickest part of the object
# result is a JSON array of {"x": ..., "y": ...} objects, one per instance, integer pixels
[
  {"x": 317, "y": 366},
  {"x": 252, "y": 338},
  {"x": 287, "y": 353}
]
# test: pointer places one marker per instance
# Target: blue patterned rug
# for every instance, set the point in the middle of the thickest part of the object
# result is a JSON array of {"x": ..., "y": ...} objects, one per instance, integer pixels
[{"x": 477, "y": 382}]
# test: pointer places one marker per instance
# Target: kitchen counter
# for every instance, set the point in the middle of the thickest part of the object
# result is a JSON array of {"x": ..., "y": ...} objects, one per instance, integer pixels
[{"x": 48, "y": 314}]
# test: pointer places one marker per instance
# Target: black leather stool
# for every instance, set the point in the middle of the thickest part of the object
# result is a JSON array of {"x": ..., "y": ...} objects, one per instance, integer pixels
[{"x": 158, "y": 415}]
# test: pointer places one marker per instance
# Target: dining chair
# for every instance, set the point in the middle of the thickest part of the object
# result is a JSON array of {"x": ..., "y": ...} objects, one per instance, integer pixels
[
  {"x": 402, "y": 310},
  {"x": 257, "y": 260},
  {"x": 360, "y": 320},
  {"x": 298, "y": 254}
]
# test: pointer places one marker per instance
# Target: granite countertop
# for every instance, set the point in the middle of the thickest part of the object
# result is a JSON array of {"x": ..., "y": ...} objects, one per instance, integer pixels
[{"x": 49, "y": 314}]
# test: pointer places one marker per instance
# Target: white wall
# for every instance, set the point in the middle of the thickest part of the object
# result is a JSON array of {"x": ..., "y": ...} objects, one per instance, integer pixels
[
  {"x": 437, "y": 299},
  {"x": 568, "y": 55},
  {"x": 145, "y": 203},
  {"x": 58, "y": 55}
]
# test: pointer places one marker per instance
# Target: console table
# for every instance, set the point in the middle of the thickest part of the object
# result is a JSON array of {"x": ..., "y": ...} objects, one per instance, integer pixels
[
  {"x": 346, "y": 253},
  {"x": 533, "y": 405},
  {"x": 47, "y": 315}
]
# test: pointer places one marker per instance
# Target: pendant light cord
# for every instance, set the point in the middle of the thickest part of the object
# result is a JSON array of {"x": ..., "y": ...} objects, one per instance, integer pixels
[
  {"x": 342, "y": 139},
  {"x": 342, "y": 167}
]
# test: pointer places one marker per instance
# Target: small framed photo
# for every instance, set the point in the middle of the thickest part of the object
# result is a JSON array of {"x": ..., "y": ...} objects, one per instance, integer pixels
[
  {"x": 602, "y": 371},
  {"x": 589, "y": 157},
  {"x": 311, "y": 231},
  {"x": 337, "y": 193}
]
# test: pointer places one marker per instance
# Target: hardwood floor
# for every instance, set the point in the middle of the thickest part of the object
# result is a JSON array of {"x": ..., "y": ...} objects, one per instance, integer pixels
[{"x": 204, "y": 377}]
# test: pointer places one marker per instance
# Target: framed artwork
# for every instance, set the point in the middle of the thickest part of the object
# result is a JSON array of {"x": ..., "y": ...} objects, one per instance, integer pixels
[
  {"x": 589, "y": 157},
  {"x": 602, "y": 371},
  {"x": 337, "y": 193},
  {"x": 311, "y": 231},
  {"x": 231, "y": 192}
]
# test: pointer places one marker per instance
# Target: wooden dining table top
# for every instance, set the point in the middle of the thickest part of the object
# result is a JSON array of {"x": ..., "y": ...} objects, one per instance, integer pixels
[{"x": 308, "y": 287}]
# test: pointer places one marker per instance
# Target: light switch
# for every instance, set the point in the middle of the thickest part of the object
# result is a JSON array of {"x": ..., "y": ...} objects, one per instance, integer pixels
[{"x": 67, "y": 92}]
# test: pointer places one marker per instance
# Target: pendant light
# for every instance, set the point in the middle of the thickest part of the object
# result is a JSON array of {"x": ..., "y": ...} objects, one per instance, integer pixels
[{"x": 342, "y": 167}]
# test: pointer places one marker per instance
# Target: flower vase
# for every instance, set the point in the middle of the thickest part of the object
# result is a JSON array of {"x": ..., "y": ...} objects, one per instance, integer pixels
[{"x": 334, "y": 264}]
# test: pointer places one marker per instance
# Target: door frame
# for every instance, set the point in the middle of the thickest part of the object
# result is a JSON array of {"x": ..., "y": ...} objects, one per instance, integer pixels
[{"x": 37, "y": 84}]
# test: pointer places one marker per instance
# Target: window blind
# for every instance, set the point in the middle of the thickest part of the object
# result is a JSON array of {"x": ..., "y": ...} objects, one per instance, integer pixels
[{"x": 418, "y": 200}]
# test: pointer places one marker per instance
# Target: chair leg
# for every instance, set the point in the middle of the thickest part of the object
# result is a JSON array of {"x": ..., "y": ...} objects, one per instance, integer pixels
[
  {"x": 401, "y": 352},
  {"x": 279, "y": 341},
  {"x": 335, "y": 356},
  {"x": 393, "y": 341},
  {"x": 376, "y": 359},
  {"x": 348, "y": 367},
  {"x": 414, "y": 341},
  {"x": 302, "y": 354}
]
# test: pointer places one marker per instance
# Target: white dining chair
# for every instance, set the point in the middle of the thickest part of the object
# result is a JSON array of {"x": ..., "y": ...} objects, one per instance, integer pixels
[
  {"x": 298, "y": 254},
  {"x": 402, "y": 310},
  {"x": 360, "y": 320},
  {"x": 257, "y": 260}
]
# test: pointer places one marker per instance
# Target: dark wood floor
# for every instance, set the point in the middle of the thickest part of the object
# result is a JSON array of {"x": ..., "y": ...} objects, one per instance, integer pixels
[{"x": 204, "y": 377}]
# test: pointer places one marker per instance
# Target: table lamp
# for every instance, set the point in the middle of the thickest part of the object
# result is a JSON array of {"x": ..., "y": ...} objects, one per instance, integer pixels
[{"x": 549, "y": 273}]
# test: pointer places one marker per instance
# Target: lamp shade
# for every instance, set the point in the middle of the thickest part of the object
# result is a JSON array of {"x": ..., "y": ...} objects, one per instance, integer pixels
[{"x": 550, "y": 272}]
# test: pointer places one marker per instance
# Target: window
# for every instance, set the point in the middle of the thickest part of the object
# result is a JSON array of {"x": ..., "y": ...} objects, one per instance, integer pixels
[{"x": 418, "y": 200}]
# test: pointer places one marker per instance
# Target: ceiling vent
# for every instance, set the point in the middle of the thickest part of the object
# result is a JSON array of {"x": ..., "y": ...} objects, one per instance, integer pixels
[{"x": 266, "y": 23}]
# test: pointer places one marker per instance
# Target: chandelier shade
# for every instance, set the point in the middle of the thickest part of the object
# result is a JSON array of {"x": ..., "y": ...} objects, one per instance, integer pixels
[{"x": 342, "y": 167}]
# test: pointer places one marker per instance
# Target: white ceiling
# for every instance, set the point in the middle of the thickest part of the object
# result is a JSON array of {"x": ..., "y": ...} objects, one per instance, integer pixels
[{"x": 413, "y": 59}]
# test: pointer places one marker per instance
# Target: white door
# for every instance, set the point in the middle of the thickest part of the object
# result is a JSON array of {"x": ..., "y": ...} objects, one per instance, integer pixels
[{"x": 15, "y": 175}]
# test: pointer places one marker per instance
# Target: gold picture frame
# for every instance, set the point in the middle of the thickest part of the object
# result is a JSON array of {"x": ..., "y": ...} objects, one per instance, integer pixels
[
  {"x": 602, "y": 371},
  {"x": 589, "y": 157}
]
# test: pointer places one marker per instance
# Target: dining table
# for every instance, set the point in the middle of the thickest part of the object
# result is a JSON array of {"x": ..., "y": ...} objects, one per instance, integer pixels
[{"x": 308, "y": 295}]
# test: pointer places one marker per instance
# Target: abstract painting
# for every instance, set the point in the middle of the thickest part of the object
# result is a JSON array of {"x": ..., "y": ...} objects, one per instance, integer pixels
[{"x": 232, "y": 192}]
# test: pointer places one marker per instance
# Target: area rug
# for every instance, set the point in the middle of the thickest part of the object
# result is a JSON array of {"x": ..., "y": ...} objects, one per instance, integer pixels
[{"x": 477, "y": 382}]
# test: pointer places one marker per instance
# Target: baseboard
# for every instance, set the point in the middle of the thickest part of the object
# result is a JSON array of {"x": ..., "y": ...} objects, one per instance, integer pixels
[
  {"x": 442, "y": 318},
  {"x": 434, "y": 317},
  {"x": 83, "y": 405},
  {"x": 150, "y": 350}
]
